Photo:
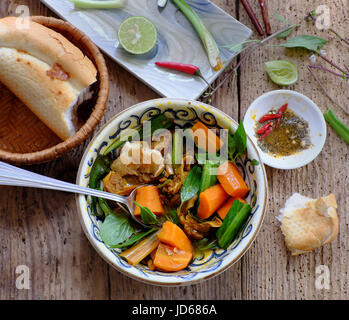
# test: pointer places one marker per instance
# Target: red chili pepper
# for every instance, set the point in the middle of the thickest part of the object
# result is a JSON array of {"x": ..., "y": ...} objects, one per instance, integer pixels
[
  {"x": 269, "y": 116},
  {"x": 266, "y": 133},
  {"x": 186, "y": 68},
  {"x": 270, "y": 126},
  {"x": 264, "y": 128},
  {"x": 281, "y": 113},
  {"x": 282, "y": 109}
]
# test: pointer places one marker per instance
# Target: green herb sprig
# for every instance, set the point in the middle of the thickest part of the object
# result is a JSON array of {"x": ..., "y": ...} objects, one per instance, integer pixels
[
  {"x": 287, "y": 32},
  {"x": 249, "y": 49}
]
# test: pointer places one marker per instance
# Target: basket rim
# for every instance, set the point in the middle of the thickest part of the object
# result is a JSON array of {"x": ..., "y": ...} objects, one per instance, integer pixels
[{"x": 94, "y": 119}]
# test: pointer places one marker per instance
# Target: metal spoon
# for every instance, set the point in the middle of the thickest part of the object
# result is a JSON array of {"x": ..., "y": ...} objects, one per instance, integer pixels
[{"x": 13, "y": 176}]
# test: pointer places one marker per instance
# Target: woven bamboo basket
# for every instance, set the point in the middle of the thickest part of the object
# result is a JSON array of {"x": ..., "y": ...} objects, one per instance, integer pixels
[{"x": 24, "y": 139}]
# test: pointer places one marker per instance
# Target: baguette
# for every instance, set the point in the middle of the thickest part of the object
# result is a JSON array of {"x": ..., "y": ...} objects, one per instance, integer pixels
[{"x": 46, "y": 72}]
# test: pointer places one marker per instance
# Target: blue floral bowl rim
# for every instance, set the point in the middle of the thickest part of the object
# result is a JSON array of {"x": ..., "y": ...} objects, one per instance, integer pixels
[{"x": 180, "y": 282}]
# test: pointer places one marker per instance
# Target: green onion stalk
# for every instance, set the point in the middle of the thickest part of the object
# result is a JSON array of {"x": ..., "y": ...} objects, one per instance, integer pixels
[
  {"x": 337, "y": 125},
  {"x": 206, "y": 37},
  {"x": 95, "y": 4}
]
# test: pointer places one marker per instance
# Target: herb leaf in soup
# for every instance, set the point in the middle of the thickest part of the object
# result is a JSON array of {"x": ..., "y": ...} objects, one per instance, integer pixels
[
  {"x": 137, "y": 237},
  {"x": 237, "y": 143},
  {"x": 115, "y": 229},
  {"x": 100, "y": 168},
  {"x": 173, "y": 217},
  {"x": 148, "y": 217},
  {"x": 191, "y": 185}
]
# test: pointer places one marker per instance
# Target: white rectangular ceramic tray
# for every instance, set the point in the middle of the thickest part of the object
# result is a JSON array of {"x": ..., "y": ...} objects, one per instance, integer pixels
[{"x": 177, "y": 40}]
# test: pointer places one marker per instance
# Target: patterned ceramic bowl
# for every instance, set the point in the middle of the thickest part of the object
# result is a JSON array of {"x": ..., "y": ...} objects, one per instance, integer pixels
[{"x": 183, "y": 112}]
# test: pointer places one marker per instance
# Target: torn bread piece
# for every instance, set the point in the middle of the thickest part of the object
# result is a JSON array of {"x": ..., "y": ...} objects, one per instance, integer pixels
[
  {"x": 308, "y": 223},
  {"x": 49, "y": 74}
]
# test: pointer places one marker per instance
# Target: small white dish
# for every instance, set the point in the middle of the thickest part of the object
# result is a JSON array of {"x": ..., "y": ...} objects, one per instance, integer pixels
[{"x": 304, "y": 108}]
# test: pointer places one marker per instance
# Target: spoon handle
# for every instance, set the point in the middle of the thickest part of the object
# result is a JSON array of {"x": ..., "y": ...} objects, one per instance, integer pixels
[{"x": 13, "y": 176}]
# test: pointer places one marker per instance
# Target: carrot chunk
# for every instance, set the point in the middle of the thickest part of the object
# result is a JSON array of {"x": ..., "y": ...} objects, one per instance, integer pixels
[
  {"x": 224, "y": 209},
  {"x": 210, "y": 200},
  {"x": 174, "y": 236},
  {"x": 171, "y": 259},
  {"x": 231, "y": 180},
  {"x": 205, "y": 138},
  {"x": 149, "y": 197}
]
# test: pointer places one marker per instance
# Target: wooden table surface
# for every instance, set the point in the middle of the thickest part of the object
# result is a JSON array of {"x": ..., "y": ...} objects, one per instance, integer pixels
[{"x": 40, "y": 229}]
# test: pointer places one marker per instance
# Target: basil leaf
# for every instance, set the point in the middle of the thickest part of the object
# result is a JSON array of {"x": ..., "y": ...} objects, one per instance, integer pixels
[
  {"x": 311, "y": 43},
  {"x": 191, "y": 185},
  {"x": 135, "y": 238},
  {"x": 173, "y": 217},
  {"x": 115, "y": 229},
  {"x": 100, "y": 168},
  {"x": 237, "y": 143},
  {"x": 147, "y": 215}
]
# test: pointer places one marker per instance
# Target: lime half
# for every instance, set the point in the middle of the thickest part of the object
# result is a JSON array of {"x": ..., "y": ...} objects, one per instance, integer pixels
[
  {"x": 281, "y": 72},
  {"x": 137, "y": 35}
]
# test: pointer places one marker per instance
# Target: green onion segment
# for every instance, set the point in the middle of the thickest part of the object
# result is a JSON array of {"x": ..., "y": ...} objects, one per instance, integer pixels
[{"x": 206, "y": 37}]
